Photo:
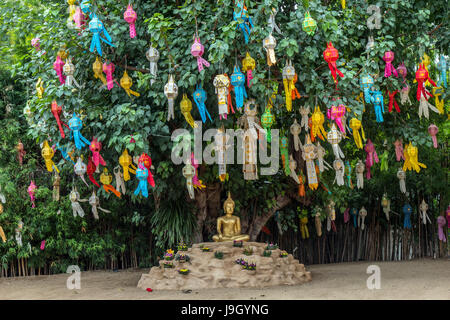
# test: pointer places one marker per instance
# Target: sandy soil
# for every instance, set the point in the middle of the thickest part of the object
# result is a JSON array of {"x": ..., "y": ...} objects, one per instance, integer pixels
[{"x": 419, "y": 279}]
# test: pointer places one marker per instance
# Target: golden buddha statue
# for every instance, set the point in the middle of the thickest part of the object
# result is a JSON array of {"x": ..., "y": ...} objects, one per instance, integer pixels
[{"x": 229, "y": 226}]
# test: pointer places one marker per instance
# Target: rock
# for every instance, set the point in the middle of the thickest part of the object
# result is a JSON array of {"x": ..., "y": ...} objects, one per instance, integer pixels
[{"x": 206, "y": 271}]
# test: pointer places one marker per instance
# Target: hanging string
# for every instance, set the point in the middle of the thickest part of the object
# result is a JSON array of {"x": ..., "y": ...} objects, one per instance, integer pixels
[{"x": 196, "y": 26}]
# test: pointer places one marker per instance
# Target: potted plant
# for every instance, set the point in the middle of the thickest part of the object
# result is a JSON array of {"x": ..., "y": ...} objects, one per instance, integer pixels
[
  {"x": 245, "y": 265},
  {"x": 238, "y": 243},
  {"x": 267, "y": 253},
  {"x": 168, "y": 264},
  {"x": 181, "y": 257},
  {"x": 250, "y": 266},
  {"x": 218, "y": 255},
  {"x": 248, "y": 251},
  {"x": 184, "y": 271},
  {"x": 206, "y": 249},
  {"x": 169, "y": 255},
  {"x": 182, "y": 246},
  {"x": 283, "y": 254},
  {"x": 271, "y": 246}
]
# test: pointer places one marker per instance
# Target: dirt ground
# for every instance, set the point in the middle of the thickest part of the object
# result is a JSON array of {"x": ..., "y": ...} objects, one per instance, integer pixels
[{"x": 418, "y": 279}]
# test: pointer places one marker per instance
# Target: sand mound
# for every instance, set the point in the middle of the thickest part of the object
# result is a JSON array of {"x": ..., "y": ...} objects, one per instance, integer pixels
[{"x": 206, "y": 271}]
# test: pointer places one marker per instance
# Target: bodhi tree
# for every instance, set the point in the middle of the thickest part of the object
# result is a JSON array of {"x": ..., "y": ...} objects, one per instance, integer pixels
[{"x": 139, "y": 123}]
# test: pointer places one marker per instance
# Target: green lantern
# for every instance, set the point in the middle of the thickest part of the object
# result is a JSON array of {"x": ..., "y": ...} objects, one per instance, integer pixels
[
  {"x": 285, "y": 154},
  {"x": 309, "y": 24},
  {"x": 267, "y": 120}
]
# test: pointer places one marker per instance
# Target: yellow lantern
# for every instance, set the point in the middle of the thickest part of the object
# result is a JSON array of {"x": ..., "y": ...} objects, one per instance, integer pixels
[
  {"x": 47, "y": 154},
  {"x": 97, "y": 66},
  {"x": 186, "y": 107},
  {"x": 126, "y": 162},
  {"x": 126, "y": 82}
]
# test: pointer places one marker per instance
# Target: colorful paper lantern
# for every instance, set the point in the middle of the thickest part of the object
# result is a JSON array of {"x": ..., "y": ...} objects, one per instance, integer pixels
[
  {"x": 248, "y": 65},
  {"x": 309, "y": 25},
  {"x": 130, "y": 16},
  {"x": 197, "y": 50},
  {"x": 331, "y": 55}
]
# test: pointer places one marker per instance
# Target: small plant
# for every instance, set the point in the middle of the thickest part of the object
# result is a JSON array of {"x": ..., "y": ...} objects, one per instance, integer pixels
[
  {"x": 168, "y": 264},
  {"x": 271, "y": 246},
  {"x": 283, "y": 254},
  {"x": 182, "y": 246},
  {"x": 218, "y": 255},
  {"x": 238, "y": 243},
  {"x": 248, "y": 251},
  {"x": 250, "y": 266},
  {"x": 181, "y": 257},
  {"x": 169, "y": 255},
  {"x": 206, "y": 249},
  {"x": 245, "y": 265},
  {"x": 183, "y": 271},
  {"x": 267, "y": 253}
]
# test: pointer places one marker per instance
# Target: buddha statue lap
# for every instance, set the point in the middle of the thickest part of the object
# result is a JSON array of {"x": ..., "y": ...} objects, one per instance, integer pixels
[{"x": 229, "y": 226}]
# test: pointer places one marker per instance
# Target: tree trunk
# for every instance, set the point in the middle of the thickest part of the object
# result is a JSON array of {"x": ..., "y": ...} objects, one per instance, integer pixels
[
  {"x": 260, "y": 221},
  {"x": 207, "y": 202}
]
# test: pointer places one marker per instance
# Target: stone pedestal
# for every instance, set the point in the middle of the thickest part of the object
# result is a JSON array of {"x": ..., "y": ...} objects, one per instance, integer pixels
[{"x": 206, "y": 271}]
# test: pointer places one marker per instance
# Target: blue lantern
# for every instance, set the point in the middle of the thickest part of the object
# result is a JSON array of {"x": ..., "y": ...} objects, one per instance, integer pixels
[
  {"x": 97, "y": 28},
  {"x": 366, "y": 85},
  {"x": 377, "y": 100},
  {"x": 200, "y": 99},
  {"x": 238, "y": 81},
  {"x": 75, "y": 124},
  {"x": 245, "y": 24}
]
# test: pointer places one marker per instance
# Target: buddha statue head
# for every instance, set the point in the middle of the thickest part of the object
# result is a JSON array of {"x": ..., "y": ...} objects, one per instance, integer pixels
[{"x": 228, "y": 205}]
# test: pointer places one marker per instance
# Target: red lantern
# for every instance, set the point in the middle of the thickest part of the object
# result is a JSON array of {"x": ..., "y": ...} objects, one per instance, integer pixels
[
  {"x": 56, "y": 111},
  {"x": 90, "y": 171},
  {"x": 147, "y": 161},
  {"x": 421, "y": 77},
  {"x": 331, "y": 55}
]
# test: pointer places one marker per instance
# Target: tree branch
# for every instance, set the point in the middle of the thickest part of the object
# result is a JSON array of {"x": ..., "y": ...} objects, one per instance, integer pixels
[
  {"x": 437, "y": 27},
  {"x": 260, "y": 221}
]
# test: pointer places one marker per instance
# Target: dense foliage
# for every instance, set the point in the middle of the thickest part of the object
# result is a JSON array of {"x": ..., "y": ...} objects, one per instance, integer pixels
[{"x": 137, "y": 225}]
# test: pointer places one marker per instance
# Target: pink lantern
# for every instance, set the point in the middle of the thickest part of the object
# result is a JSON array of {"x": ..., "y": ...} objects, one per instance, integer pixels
[
  {"x": 35, "y": 42},
  {"x": 433, "y": 130},
  {"x": 197, "y": 50},
  {"x": 79, "y": 18},
  {"x": 58, "y": 67},
  {"x": 96, "y": 147},
  {"x": 448, "y": 216},
  {"x": 402, "y": 71},
  {"x": 389, "y": 69},
  {"x": 130, "y": 16},
  {"x": 31, "y": 192},
  {"x": 399, "y": 150},
  {"x": 441, "y": 224},
  {"x": 336, "y": 113},
  {"x": 108, "y": 69},
  {"x": 43, "y": 245},
  {"x": 371, "y": 156}
]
